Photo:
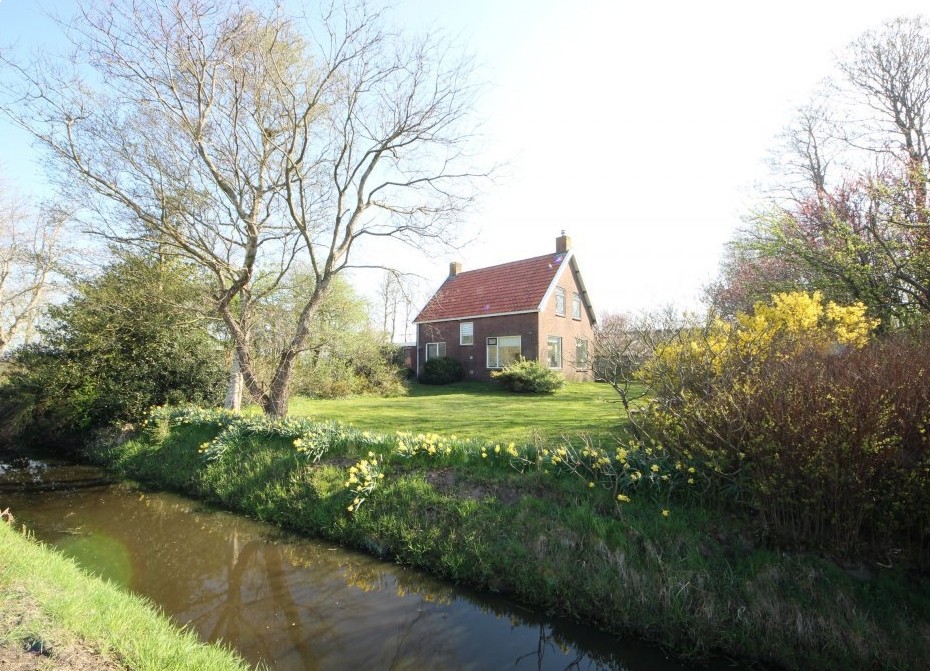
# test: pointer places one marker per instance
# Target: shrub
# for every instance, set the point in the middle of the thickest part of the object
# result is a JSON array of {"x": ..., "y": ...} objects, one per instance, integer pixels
[
  {"x": 360, "y": 365},
  {"x": 124, "y": 341},
  {"x": 820, "y": 432},
  {"x": 442, "y": 370},
  {"x": 529, "y": 376}
]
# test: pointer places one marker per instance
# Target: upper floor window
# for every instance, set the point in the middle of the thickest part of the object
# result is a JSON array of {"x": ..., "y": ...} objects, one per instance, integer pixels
[
  {"x": 467, "y": 333},
  {"x": 560, "y": 301},
  {"x": 576, "y": 306}
]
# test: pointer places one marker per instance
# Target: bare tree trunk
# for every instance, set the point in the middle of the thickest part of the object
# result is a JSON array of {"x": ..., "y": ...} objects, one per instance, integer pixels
[{"x": 234, "y": 390}]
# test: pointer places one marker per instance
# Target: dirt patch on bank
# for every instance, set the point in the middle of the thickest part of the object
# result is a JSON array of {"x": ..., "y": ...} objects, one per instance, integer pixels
[
  {"x": 74, "y": 657},
  {"x": 34, "y": 651}
]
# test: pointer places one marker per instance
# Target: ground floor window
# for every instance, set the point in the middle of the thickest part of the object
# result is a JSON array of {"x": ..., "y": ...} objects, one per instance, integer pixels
[
  {"x": 555, "y": 352},
  {"x": 503, "y": 351},
  {"x": 435, "y": 350},
  {"x": 581, "y": 354}
]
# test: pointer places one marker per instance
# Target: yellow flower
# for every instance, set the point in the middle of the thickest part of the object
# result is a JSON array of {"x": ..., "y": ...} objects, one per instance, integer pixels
[
  {"x": 590, "y": 485},
  {"x": 665, "y": 512},
  {"x": 655, "y": 468},
  {"x": 623, "y": 498}
]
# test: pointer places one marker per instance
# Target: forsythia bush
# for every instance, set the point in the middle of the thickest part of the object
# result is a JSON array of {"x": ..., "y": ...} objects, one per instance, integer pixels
[
  {"x": 796, "y": 411},
  {"x": 792, "y": 323}
]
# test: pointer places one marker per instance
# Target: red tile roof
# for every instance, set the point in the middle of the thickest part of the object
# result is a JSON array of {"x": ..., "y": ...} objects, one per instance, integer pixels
[{"x": 518, "y": 286}]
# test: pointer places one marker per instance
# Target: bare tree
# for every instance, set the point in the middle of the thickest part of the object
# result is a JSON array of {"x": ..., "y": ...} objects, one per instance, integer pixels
[
  {"x": 888, "y": 71},
  {"x": 389, "y": 299},
  {"x": 849, "y": 212},
  {"x": 622, "y": 343},
  {"x": 397, "y": 300},
  {"x": 30, "y": 250},
  {"x": 247, "y": 140}
]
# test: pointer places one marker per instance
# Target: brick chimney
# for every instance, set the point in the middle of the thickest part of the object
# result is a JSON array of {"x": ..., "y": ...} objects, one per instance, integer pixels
[
  {"x": 562, "y": 243},
  {"x": 455, "y": 268}
]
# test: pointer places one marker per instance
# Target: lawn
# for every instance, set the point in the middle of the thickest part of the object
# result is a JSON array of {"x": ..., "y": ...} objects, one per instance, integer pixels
[{"x": 478, "y": 410}]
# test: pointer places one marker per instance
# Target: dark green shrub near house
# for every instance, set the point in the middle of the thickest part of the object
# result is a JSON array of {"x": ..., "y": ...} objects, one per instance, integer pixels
[
  {"x": 442, "y": 370},
  {"x": 528, "y": 376}
]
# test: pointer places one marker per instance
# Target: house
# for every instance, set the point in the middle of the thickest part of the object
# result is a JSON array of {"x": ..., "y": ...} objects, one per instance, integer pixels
[{"x": 536, "y": 308}]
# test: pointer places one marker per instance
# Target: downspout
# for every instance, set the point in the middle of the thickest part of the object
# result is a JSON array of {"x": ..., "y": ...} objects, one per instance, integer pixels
[{"x": 416, "y": 351}]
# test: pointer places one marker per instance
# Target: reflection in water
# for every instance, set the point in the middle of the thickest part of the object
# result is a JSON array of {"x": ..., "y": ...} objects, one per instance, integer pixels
[{"x": 293, "y": 603}]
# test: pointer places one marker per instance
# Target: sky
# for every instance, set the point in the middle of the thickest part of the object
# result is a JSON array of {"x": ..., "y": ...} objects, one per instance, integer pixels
[{"x": 641, "y": 129}]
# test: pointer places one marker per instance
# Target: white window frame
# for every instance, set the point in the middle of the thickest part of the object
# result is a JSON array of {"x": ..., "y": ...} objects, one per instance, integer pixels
[
  {"x": 466, "y": 333},
  {"x": 557, "y": 342},
  {"x": 582, "y": 362},
  {"x": 576, "y": 305},
  {"x": 440, "y": 348},
  {"x": 559, "y": 302},
  {"x": 494, "y": 359}
]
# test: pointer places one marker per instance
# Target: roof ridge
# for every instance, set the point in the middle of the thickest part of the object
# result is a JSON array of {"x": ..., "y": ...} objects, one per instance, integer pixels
[{"x": 509, "y": 263}]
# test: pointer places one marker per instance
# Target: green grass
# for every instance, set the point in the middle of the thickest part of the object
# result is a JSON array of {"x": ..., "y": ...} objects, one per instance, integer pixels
[
  {"x": 478, "y": 410},
  {"x": 62, "y": 604}
]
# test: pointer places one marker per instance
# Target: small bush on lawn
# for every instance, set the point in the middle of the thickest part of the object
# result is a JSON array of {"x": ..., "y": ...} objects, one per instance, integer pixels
[
  {"x": 530, "y": 377},
  {"x": 442, "y": 370}
]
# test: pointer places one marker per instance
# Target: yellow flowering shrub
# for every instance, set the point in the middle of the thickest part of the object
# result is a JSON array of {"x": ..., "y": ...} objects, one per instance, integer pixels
[
  {"x": 790, "y": 323},
  {"x": 798, "y": 412}
]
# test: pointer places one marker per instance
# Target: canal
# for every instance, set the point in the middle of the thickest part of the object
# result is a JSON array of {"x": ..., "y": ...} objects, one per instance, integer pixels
[{"x": 288, "y": 602}]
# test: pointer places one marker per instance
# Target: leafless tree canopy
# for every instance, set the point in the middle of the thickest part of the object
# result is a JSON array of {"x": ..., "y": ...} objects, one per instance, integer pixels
[
  {"x": 848, "y": 213},
  {"x": 246, "y": 140},
  {"x": 30, "y": 249}
]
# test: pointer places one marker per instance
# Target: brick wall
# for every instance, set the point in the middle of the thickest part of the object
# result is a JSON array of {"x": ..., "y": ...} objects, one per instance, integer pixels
[
  {"x": 568, "y": 328},
  {"x": 474, "y": 357}
]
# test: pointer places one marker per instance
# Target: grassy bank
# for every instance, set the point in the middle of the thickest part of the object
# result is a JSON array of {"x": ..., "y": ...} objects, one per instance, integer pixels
[
  {"x": 500, "y": 518},
  {"x": 49, "y": 604}
]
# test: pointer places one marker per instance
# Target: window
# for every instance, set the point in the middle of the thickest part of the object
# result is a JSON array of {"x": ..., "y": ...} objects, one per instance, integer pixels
[
  {"x": 467, "y": 333},
  {"x": 576, "y": 306},
  {"x": 555, "y": 352},
  {"x": 503, "y": 351},
  {"x": 581, "y": 354},
  {"x": 435, "y": 350},
  {"x": 560, "y": 301}
]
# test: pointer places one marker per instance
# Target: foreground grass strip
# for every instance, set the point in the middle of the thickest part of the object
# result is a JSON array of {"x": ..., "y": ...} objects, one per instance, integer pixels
[
  {"x": 71, "y": 604},
  {"x": 688, "y": 576}
]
